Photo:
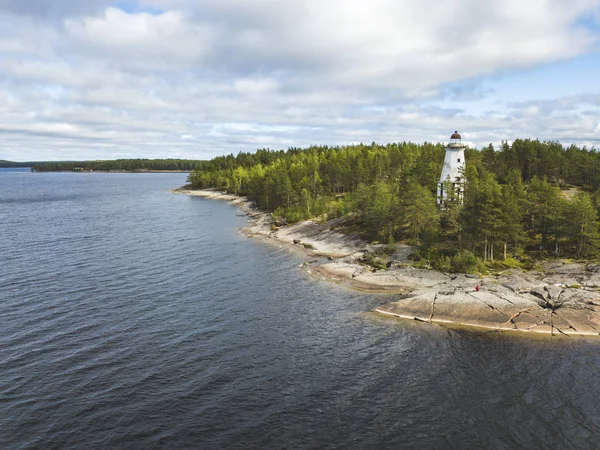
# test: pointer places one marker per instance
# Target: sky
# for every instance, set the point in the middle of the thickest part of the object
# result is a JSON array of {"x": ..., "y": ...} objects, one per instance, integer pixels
[{"x": 97, "y": 79}]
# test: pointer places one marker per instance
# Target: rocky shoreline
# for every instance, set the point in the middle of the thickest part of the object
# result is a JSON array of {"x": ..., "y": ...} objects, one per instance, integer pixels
[{"x": 561, "y": 299}]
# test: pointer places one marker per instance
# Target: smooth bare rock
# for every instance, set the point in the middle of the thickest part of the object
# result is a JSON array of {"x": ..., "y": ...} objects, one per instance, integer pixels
[
  {"x": 516, "y": 288},
  {"x": 572, "y": 268},
  {"x": 507, "y": 311},
  {"x": 354, "y": 258},
  {"x": 563, "y": 268},
  {"x": 422, "y": 276},
  {"x": 384, "y": 279},
  {"x": 541, "y": 294},
  {"x": 441, "y": 298},
  {"x": 534, "y": 319},
  {"x": 561, "y": 280},
  {"x": 322, "y": 237},
  {"x": 493, "y": 302},
  {"x": 553, "y": 292},
  {"x": 460, "y": 279},
  {"x": 474, "y": 313},
  {"x": 498, "y": 289},
  {"x": 561, "y": 325},
  {"x": 580, "y": 297},
  {"x": 342, "y": 270},
  {"x": 518, "y": 284},
  {"x": 510, "y": 299},
  {"x": 545, "y": 299},
  {"x": 595, "y": 268},
  {"x": 418, "y": 306},
  {"x": 520, "y": 301},
  {"x": 375, "y": 248},
  {"x": 551, "y": 266},
  {"x": 591, "y": 281},
  {"x": 580, "y": 323},
  {"x": 359, "y": 277},
  {"x": 402, "y": 253}
]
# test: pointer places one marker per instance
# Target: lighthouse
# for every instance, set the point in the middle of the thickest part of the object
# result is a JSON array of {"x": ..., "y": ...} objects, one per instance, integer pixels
[{"x": 453, "y": 170}]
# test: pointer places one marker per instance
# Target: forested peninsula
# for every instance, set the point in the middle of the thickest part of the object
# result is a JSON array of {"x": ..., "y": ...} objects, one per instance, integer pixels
[
  {"x": 13, "y": 164},
  {"x": 522, "y": 202},
  {"x": 517, "y": 252},
  {"x": 119, "y": 165}
]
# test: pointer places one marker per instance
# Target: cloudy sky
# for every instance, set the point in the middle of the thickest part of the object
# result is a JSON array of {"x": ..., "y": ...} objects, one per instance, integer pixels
[{"x": 96, "y": 79}]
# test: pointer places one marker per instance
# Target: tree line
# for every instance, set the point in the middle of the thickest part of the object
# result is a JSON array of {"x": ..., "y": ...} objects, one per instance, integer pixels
[
  {"x": 528, "y": 198},
  {"x": 13, "y": 164},
  {"x": 127, "y": 165}
]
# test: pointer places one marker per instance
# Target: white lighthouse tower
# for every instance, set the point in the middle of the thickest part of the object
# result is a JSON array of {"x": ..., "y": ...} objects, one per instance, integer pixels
[{"x": 453, "y": 170}]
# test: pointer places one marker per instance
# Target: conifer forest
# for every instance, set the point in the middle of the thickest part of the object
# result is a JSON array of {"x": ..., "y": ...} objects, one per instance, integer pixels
[
  {"x": 128, "y": 165},
  {"x": 522, "y": 202}
]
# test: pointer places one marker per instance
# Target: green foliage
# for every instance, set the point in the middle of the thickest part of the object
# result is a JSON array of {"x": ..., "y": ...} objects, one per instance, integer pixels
[
  {"x": 443, "y": 264},
  {"x": 511, "y": 263},
  {"x": 390, "y": 248},
  {"x": 377, "y": 261},
  {"x": 335, "y": 209},
  {"x": 508, "y": 263},
  {"x": 418, "y": 211},
  {"x": 512, "y": 202},
  {"x": 13, "y": 164},
  {"x": 127, "y": 165},
  {"x": 464, "y": 262},
  {"x": 582, "y": 225}
]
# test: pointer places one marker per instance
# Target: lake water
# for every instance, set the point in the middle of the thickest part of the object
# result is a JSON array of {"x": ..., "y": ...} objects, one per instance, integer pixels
[{"x": 131, "y": 317}]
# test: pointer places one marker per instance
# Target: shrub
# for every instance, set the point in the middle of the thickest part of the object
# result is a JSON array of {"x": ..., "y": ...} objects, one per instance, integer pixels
[
  {"x": 335, "y": 209},
  {"x": 390, "y": 248},
  {"x": 443, "y": 264},
  {"x": 464, "y": 262},
  {"x": 511, "y": 263},
  {"x": 374, "y": 261}
]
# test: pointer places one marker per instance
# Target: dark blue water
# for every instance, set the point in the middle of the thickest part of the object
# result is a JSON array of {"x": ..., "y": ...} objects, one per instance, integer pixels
[{"x": 134, "y": 318}]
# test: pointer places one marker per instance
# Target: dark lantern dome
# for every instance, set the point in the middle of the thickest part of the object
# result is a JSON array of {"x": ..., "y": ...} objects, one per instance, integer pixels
[{"x": 455, "y": 135}]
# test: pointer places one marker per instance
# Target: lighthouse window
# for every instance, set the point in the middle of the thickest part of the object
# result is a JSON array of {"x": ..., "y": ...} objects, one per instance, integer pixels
[{"x": 458, "y": 159}]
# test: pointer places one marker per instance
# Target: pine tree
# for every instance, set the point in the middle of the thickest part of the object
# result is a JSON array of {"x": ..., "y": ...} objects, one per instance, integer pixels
[
  {"x": 418, "y": 210},
  {"x": 583, "y": 225}
]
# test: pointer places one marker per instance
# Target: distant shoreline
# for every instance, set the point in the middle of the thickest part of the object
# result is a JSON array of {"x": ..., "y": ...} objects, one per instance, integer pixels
[
  {"x": 111, "y": 171},
  {"x": 563, "y": 300}
]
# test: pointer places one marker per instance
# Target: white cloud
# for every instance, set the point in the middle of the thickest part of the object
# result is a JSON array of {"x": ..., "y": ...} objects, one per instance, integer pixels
[
  {"x": 143, "y": 40},
  {"x": 218, "y": 76}
]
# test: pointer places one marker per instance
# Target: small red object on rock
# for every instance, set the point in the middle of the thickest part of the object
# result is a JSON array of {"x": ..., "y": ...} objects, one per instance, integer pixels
[{"x": 477, "y": 288}]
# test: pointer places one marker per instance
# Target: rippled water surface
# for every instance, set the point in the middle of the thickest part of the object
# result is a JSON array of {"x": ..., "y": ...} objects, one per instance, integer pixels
[{"x": 134, "y": 318}]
